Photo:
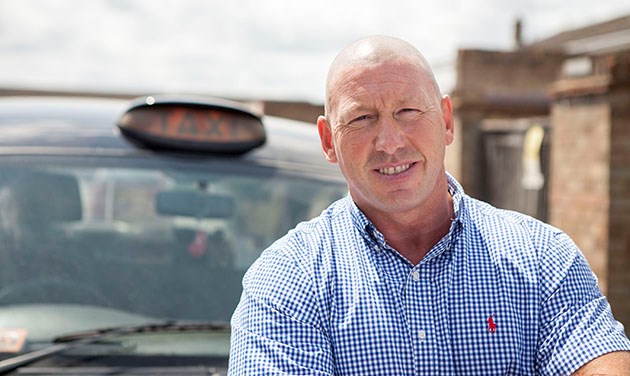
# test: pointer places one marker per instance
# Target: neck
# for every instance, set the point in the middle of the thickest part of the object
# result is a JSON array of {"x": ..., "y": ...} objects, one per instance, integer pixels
[{"x": 414, "y": 234}]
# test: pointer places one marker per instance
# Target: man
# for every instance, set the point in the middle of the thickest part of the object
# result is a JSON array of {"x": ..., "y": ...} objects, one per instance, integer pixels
[{"x": 408, "y": 275}]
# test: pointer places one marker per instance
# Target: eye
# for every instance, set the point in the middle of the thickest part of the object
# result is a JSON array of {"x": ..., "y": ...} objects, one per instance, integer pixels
[
  {"x": 361, "y": 119},
  {"x": 408, "y": 113}
]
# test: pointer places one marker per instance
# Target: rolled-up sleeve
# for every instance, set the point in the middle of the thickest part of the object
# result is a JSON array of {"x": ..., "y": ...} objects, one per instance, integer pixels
[{"x": 577, "y": 324}]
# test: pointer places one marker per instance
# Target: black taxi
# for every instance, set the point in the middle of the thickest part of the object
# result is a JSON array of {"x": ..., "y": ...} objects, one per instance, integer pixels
[{"x": 126, "y": 227}]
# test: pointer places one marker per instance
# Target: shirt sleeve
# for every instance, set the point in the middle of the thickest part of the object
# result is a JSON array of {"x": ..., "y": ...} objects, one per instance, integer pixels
[
  {"x": 577, "y": 324},
  {"x": 276, "y": 328}
]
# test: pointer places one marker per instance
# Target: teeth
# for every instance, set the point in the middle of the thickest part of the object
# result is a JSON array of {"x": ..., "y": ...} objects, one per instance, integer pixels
[{"x": 394, "y": 170}]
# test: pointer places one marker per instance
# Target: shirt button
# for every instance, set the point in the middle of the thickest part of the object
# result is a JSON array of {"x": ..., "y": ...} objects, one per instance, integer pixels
[
  {"x": 415, "y": 275},
  {"x": 422, "y": 335}
]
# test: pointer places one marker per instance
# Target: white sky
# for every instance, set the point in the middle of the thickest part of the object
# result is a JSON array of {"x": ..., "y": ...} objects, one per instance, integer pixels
[{"x": 252, "y": 48}]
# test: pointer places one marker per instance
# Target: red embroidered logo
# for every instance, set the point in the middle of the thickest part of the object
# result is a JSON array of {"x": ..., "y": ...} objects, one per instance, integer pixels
[{"x": 492, "y": 326}]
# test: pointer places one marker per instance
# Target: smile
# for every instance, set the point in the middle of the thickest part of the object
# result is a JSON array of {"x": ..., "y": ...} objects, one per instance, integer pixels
[{"x": 394, "y": 170}]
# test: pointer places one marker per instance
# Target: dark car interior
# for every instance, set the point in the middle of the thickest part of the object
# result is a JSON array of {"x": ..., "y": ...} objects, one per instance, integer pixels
[{"x": 42, "y": 262}]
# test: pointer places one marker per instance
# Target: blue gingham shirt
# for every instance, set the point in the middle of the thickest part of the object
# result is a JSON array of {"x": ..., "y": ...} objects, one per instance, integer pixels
[{"x": 500, "y": 294}]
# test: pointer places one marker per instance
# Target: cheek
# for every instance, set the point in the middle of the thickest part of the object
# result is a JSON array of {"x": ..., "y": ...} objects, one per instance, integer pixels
[
  {"x": 350, "y": 149},
  {"x": 428, "y": 135},
  {"x": 351, "y": 144}
]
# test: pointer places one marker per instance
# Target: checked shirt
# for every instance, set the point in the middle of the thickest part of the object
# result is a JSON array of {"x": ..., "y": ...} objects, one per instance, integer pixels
[{"x": 500, "y": 294}]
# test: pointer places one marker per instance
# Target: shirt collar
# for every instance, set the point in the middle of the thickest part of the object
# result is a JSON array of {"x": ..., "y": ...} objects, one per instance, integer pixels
[
  {"x": 366, "y": 227},
  {"x": 457, "y": 192}
]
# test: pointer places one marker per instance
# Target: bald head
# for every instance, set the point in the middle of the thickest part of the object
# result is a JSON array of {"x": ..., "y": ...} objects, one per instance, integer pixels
[{"x": 372, "y": 51}]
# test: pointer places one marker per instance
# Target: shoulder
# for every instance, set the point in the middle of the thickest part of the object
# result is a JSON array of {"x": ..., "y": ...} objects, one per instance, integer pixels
[
  {"x": 287, "y": 275},
  {"x": 295, "y": 256},
  {"x": 510, "y": 231},
  {"x": 520, "y": 242},
  {"x": 513, "y": 230},
  {"x": 572, "y": 310},
  {"x": 489, "y": 218},
  {"x": 310, "y": 240}
]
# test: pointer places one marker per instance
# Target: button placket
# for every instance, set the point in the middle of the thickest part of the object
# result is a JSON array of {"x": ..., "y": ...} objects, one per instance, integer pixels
[{"x": 420, "y": 312}]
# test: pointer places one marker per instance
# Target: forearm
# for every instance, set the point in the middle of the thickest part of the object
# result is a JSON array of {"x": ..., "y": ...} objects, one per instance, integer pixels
[{"x": 613, "y": 364}]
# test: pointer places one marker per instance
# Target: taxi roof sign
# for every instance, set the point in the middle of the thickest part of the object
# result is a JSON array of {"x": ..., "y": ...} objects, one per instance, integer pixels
[{"x": 192, "y": 124}]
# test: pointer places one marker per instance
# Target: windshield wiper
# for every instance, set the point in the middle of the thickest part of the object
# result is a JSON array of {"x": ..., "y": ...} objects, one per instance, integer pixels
[{"x": 74, "y": 340}]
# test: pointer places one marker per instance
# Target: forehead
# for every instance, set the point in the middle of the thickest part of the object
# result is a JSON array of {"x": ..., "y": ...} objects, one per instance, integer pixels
[{"x": 396, "y": 81}]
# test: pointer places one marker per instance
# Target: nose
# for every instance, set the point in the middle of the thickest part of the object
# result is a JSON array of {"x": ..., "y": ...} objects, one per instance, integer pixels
[{"x": 390, "y": 136}]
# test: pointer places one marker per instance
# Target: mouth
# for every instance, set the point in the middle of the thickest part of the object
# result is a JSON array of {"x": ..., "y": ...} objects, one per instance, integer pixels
[{"x": 395, "y": 170}]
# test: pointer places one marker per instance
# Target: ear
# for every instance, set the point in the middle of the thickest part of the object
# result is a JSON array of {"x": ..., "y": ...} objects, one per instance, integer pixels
[
  {"x": 326, "y": 138},
  {"x": 447, "y": 116}
]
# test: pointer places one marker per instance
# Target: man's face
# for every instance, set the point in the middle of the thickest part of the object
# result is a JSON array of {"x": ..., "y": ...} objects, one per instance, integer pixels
[{"x": 388, "y": 131}]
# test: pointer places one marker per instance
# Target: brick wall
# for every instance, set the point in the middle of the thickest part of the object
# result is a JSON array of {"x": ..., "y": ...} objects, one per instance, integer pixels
[
  {"x": 486, "y": 75},
  {"x": 579, "y": 181},
  {"x": 497, "y": 84},
  {"x": 589, "y": 193}
]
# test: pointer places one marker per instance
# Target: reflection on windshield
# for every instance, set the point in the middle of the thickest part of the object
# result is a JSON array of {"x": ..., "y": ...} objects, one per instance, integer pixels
[{"x": 137, "y": 244}]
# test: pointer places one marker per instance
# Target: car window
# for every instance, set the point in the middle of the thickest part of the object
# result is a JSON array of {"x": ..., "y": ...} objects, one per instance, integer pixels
[{"x": 121, "y": 243}]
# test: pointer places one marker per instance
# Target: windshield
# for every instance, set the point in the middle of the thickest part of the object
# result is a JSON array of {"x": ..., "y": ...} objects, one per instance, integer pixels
[{"x": 86, "y": 244}]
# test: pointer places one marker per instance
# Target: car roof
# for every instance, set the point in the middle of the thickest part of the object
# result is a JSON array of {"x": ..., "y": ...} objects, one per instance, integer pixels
[{"x": 76, "y": 125}]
